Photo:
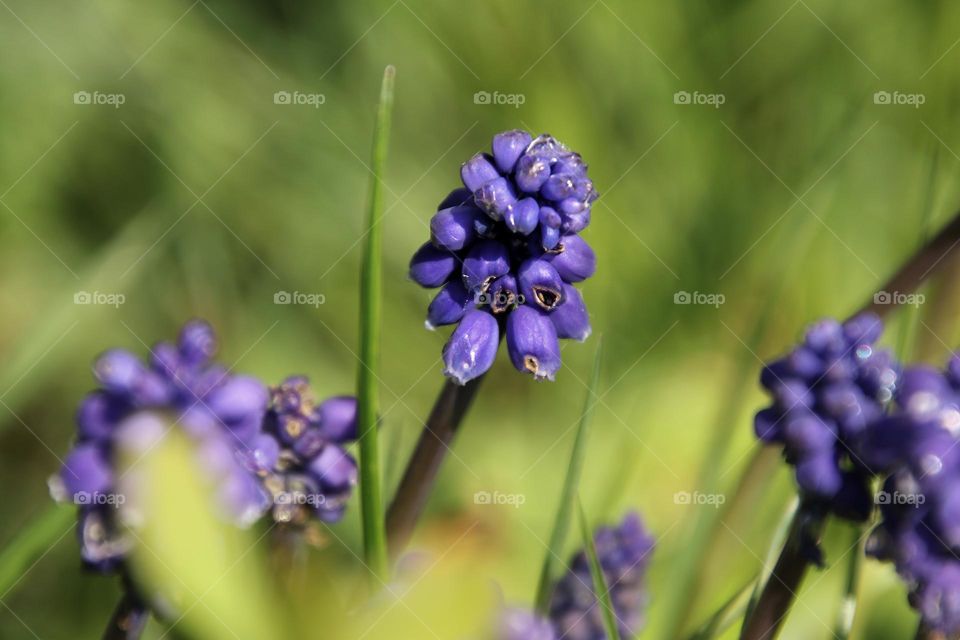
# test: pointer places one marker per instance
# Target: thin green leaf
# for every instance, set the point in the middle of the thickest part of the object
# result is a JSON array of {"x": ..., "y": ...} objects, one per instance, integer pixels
[
  {"x": 371, "y": 285},
  {"x": 561, "y": 523},
  {"x": 31, "y": 543},
  {"x": 728, "y": 613},
  {"x": 596, "y": 574},
  {"x": 848, "y": 606},
  {"x": 776, "y": 544}
]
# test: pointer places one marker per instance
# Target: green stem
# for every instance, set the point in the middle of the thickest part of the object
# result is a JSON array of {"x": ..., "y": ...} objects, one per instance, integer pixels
[
  {"x": 848, "y": 606},
  {"x": 31, "y": 543},
  {"x": 371, "y": 285}
]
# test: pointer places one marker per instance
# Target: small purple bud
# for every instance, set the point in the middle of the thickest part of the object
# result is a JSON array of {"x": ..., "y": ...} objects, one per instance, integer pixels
[
  {"x": 239, "y": 399},
  {"x": 86, "y": 471},
  {"x": 449, "y": 305},
  {"x": 807, "y": 434},
  {"x": 575, "y": 261},
  {"x": 263, "y": 453},
  {"x": 865, "y": 328},
  {"x": 508, "y": 147},
  {"x": 98, "y": 415},
  {"x": 572, "y": 206},
  {"x": 472, "y": 347},
  {"x": 430, "y": 267},
  {"x": 496, "y": 198},
  {"x": 309, "y": 443},
  {"x": 550, "y": 218},
  {"x": 570, "y": 163},
  {"x": 571, "y": 319},
  {"x": 523, "y": 216},
  {"x": 338, "y": 418},
  {"x": 485, "y": 226},
  {"x": 478, "y": 171},
  {"x": 457, "y": 197},
  {"x": 166, "y": 359},
  {"x": 197, "y": 342},
  {"x": 334, "y": 468},
  {"x": 532, "y": 343},
  {"x": 819, "y": 474},
  {"x": 549, "y": 238},
  {"x": 531, "y": 173},
  {"x": 540, "y": 284},
  {"x": 453, "y": 228},
  {"x": 486, "y": 261},
  {"x": 547, "y": 147},
  {"x": 767, "y": 425},
  {"x": 119, "y": 371},
  {"x": 575, "y": 222},
  {"x": 562, "y": 186},
  {"x": 502, "y": 295}
]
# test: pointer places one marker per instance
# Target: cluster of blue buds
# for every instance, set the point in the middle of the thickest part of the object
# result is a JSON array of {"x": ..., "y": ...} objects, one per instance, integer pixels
[
  {"x": 624, "y": 553},
  {"x": 506, "y": 250},
  {"x": 920, "y": 501},
  {"x": 826, "y": 393},
  {"x": 134, "y": 406},
  {"x": 301, "y": 455}
]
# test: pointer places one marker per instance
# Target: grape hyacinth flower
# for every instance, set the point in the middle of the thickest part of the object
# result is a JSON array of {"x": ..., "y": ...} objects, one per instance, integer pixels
[
  {"x": 301, "y": 455},
  {"x": 505, "y": 250},
  {"x": 624, "y": 553},
  {"x": 919, "y": 530},
  {"x": 133, "y": 408},
  {"x": 520, "y": 624},
  {"x": 826, "y": 392}
]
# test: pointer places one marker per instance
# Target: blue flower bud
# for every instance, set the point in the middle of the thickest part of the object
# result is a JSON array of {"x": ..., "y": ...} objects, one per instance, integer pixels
[
  {"x": 472, "y": 347},
  {"x": 540, "y": 284},
  {"x": 575, "y": 222},
  {"x": 453, "y": 228},
  {"x": 570, "y": 164},
  {"x": 119, "y": 371},
  {"x": 547, "y": 147},
  {"x": 334, "y": 469},
  {"x": 549, "y": 238},
  {"x": 496, "y": 198},
  {"x": 508, "y": 147},
  {"x": 197, "y": 342},
  {"x": 98, "y": 415},
  {"x": 575, "y": 261},
  {"x": 86, "y": 471},
  {"x": 502, "y": 295},
  {"x": 531, "y": 173},
  {"x": 449, "y": 305},
  {"x": 523, "y": 216},
  {"x": 430, "y": 267},
  {"x": 457, "y": 197},
  {"x": 818, "y": 475},
  {"x": 532, "y": 343},
  {"x": 486, "y": 261},
  {"x": 338, "y": 418},
  {"x": 562, "y": 186},
  {"x": 478, "y": 171},
  {"x": 571, "y": 319}
]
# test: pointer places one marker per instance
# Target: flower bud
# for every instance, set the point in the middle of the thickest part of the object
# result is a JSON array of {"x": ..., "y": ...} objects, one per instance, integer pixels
[
  {"x": 472, "y": 347},
  {"x": 486, "y": 261},
  {"x": 502, "y": 295},
  {"x": 532, "y": 343},
  {"x": 575, "y": 261},
  {"x": 430, "y": 267},
  {"x": 478, "y": 171},
  {"x": 571, "y": 319},
  {"x": 449, "y": 305},
  {"x": 523, "y": 216},
  {"x": 453, "y": 228},
  {"x": 508, "y": 147},
  {"x": 540, "y": 284},
  {"x": 531, "y": 173},
  {"x": 338, "y": 418},
  {"x": 495, "y": 198}
]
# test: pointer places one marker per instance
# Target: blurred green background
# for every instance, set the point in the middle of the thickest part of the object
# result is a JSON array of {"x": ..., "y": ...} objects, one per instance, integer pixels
[{"x": 200, "y": 195}]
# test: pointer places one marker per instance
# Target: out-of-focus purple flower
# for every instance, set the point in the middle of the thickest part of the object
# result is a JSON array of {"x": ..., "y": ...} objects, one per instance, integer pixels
[
  {"x": 520, "y": 624},
  {"x": 825, "y": 393},
  {"x": 301, "y": 455},
  {"x": 513, "y": 236},
  {"x": 624, "y": 553},
  {"x": 919, "y": 531},
  {"x": 137, "y": 402}
]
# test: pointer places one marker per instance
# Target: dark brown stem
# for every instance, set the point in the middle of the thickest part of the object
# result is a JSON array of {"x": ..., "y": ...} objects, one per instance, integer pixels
[
  {"x": 773, "y": 604},
  {"x": 129, "y": 619},
  {"x": 421, "y": 472},
  {"x": 921, "y": 265}
]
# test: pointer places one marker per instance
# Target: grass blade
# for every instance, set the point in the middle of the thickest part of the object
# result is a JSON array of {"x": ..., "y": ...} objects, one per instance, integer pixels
[
  {"x": 728, "y": 613},
  {"x": 371, "y": 284},
  {"x": 31, "y": 543},
  {"x": 561, "y": 524},
  {"x": 848, "y": 606},
  {"x": 600, "y": 587}
]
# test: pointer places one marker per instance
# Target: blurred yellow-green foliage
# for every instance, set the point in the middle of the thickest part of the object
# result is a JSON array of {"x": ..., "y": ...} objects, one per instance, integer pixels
[{"x": 200, "y": 195}]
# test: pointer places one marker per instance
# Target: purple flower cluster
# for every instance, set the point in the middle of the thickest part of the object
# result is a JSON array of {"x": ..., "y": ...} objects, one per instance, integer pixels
[
  {"x": 920, "y": 501},
  {"x": 505, "y": 250},
  {"x": 134, "y": 406},
  {"x": 624, "y": 553},
  {"x": 300, "y": 455},
  {"x": 519, "y": 624},
  {"x": 826, "y": 392}
]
